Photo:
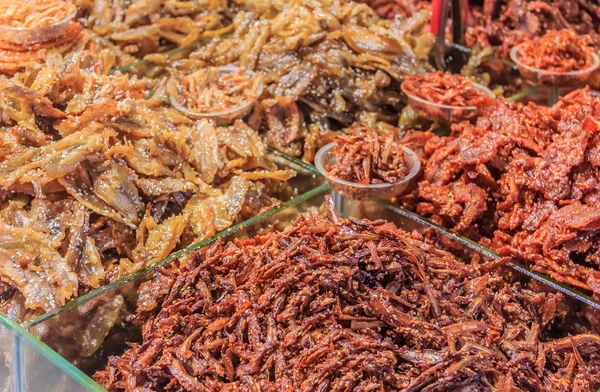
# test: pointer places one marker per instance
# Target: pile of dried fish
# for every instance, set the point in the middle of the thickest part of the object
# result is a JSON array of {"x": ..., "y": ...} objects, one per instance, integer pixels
[
  {"x": 98, "y": 182},
  {"x": 141, "y": 27},
  {"x": 341, "y": 305},
  {"x": 524, "y": 180},
  {"x": 324, "y": 62}
]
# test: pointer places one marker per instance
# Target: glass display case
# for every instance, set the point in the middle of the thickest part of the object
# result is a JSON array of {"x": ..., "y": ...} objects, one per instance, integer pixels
[
  {"x": 83, "y": 334},
  {"x": 60, "y": 350}
]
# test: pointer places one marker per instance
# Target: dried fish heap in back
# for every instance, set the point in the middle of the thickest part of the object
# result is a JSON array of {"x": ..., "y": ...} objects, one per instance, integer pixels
[
  {"x": 349, "y": 305},
  {"x": 327, "y": 59},
  {"x": 526, "y": 178},
  {"x": 142, "y": 27},
  {"x": 97, "y": 183}
]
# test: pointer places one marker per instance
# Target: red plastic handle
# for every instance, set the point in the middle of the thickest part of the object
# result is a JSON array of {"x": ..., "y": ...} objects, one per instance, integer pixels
[{"x": 436, "y": 15}]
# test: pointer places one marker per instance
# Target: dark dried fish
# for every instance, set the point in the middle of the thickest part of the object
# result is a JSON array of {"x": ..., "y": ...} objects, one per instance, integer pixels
[{"x": 312, "y": 309}]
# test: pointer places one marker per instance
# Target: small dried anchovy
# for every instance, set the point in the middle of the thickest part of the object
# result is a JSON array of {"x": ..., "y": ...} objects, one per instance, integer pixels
[
  {"x": 207, "y": 91},
  {"x": 332, "y": 304},
  {"x": 368, "y": 157}
]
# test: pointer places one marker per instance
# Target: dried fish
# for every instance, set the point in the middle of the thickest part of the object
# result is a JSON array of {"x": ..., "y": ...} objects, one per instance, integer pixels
[
  {"x": 310, "y": 308},
  {"x": 105, "y": 182}
]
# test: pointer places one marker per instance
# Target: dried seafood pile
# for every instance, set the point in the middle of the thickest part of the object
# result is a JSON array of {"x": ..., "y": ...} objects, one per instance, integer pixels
[
  {"x": 98, "y": 182},
  {"x": 142, "y": 27},
  {"x": 524, "y": 180},
  {"x": 323, "y": 63},
  {"x": 367, "y": 157},
  {"x": 339, "y": 305}
]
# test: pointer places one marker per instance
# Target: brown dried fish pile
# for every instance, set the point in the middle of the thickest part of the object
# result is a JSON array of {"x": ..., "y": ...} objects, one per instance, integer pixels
[
  {"x": 324, "y": 62},
  {"x": 524, "y": 180},
  {"x": 349, "y": 305},
  {"x": 367, "y": 157},
  {"x": 97, "y": 182}
]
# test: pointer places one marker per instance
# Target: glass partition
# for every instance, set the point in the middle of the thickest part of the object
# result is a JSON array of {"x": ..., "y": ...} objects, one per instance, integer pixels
[{"x": 27, "y": 364}]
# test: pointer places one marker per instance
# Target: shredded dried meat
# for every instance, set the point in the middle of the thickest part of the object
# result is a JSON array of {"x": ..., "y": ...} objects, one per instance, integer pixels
[
  {"x": 523, "y": 180},
  {"x": 29, "y": 14},
  {"x": 445, "y": 88},
  {"x": 215, "y": 89},
  {"x": 557, "y": 51},
  {"x": 336, "y": 304}
]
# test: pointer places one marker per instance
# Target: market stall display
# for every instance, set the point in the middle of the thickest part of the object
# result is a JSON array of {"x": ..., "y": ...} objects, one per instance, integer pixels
[{"x": 156, "y": 164}]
